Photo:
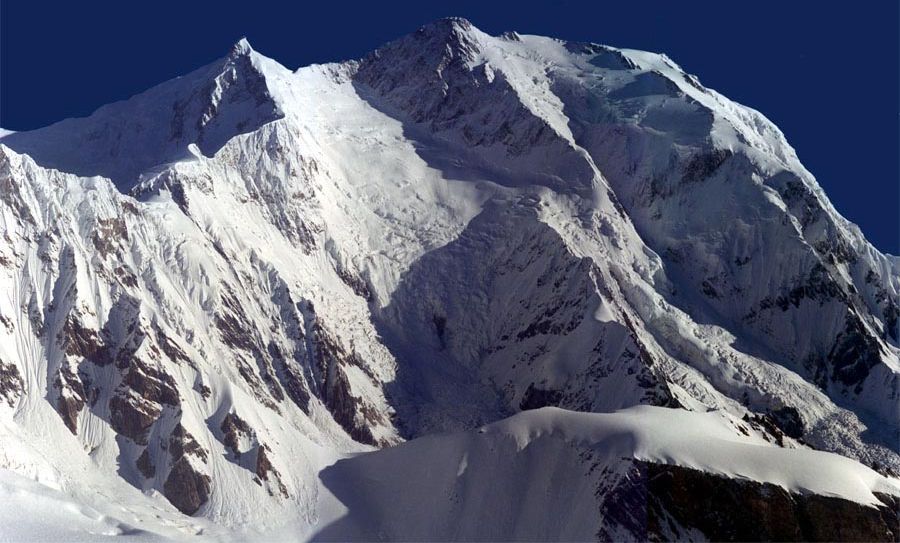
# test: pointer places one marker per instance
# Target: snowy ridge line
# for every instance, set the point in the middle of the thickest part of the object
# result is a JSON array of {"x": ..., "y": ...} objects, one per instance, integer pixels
[
  {"x": 221, "y": 297},
  {"x": 703, "y": 441},
  {"x": 562, "y": 467}
]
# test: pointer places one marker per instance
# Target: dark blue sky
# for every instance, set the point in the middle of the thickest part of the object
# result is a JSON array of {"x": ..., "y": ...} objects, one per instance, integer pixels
[{"x": 827, "y": 72}]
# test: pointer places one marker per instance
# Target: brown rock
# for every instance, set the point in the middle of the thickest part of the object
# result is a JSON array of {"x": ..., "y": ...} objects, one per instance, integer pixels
[
  {"x": 11, "y": 386},
  {"x": 132, "y": 417},
  {"x": 71, "y": 398},
  {"x": 203, "y": 390},
  {"x": 68, "y": 408},
  {"x": 232, "y": 428},
  {"x": 151, "y": 384},
  {"x": 658, "y": 502},
  {"x": 145, "y": 465},
  {"x": 81, "y": 342},
  {"x": 185, "y": 488},
  {"x": 181, "y": 442},
  {"x": 350, "y": 412},
  {"x": 267, "y": 472},
  {"x": 108, "y": 234},
  {"x": 170, "y": 348}
]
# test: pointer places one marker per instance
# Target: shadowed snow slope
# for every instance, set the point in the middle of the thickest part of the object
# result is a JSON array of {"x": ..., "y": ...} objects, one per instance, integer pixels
[
  {"x": 543, "y": 475},
  {"x": 220, "y": 287}
]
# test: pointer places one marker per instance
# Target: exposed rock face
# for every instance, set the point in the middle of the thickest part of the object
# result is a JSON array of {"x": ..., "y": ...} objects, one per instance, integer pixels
[
  {"x": 535, "y": 398},
  {"x": 132, "y": 416},
  {"x": 658, "y": 502},
  {"x": 151, "y": 384},
  {"x": 82, "y": 342},
  {"x": 234, "y": 429},
  {"x": 10, "y": 383},
  {"x": 854, "y": 354},
  {"x": 145, "y": 465},
  {"x": 186, "y": 487},
  {"x": 109, "y": 235},
  {"x": 332, "y": 364},
  {"x": 246, "y": 451},
  {"x": 71, "y": 398},
  {"x": 267, "y": 472}
]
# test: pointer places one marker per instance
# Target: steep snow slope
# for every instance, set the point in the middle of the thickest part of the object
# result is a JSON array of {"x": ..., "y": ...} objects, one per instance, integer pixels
[
  {"x": 217, "y": 288},
  {"x": 828, "y": 319}
]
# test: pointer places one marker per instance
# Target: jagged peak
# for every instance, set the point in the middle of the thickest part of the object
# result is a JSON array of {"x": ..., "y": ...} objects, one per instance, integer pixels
[
  {"x": 456, "y": 34},
  {"x": 449, "y": 24},
  {"x": 445, "y": 44},
  {"x": 206, "y": 107},
  {"x": 240, "y": 49},
  {"x": 239, "y": 52}
]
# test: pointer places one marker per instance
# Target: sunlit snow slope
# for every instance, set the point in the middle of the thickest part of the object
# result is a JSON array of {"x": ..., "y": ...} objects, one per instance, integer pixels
[{"x": 221, "y": 295}]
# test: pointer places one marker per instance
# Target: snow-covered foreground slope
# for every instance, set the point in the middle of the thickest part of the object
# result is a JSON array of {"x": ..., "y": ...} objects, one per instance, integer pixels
[
  {"x": 213, "y": 291},
  {"x": 36, "y": 512},
  {"x": 552, "y": 474}
]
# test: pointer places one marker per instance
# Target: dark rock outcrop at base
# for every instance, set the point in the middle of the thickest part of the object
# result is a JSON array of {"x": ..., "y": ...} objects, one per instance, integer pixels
[
  {"x": 536, "y": 398},
  {"x": 267, "y": 472},
  {"x": 186, "y": 488},
  {"x": 662, "y": 502}
]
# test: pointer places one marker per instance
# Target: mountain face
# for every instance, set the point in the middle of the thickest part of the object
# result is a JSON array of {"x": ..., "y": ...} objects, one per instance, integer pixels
[{"x": 569, "y": 277}]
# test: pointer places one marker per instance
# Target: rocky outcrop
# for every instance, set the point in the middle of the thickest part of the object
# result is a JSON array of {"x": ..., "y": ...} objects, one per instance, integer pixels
[
  {"x": 238, "y": 332},
  {"x": 186, "y": 487},
  {"x": 140, "y": 399},
  {"x": 132, "y": 416},
  {"x": 145, "y": 465},
  {"x": 350, "y": 411},
  {"x": 267, "y": 472},
  {"x": 854, "y": 353},
  {"x": 536, "y": 398},
  {"x": 656, "y": 502},
  {"x": 82, "y": 342},
  {"x": 152, "y": 384},
  {"x": 10, "y": 383},
  {"x": 234, "y": 431},
  {"x": 71, "y": 397},
  {"x": 108, "y": 235},
  {"x": 246, "y": 451}
]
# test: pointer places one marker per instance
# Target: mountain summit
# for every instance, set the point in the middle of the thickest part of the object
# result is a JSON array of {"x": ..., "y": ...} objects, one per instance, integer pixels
[
  {"x": 122, "y": 140},
  {"x": 535, "y": 274}
]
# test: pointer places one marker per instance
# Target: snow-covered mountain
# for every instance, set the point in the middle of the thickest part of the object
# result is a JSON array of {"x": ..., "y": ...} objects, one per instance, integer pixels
[{"x": 222, "y": 295}]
